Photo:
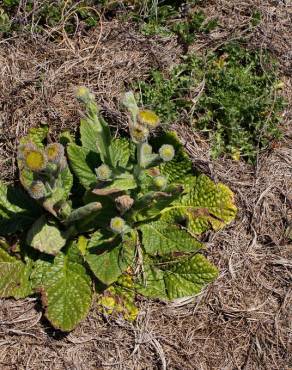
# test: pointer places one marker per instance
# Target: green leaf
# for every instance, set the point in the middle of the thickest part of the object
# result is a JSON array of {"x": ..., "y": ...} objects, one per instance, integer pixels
[
  {"x": 17, "y": 210},
  {"x": 46, "y": 237},
  {"x": 206, "y": 205},
  {"x": 78, "y": 162},
  {"x": 151, "y": 205},
  {"x": 112, "y": 259},
  {"x": 36, "y": 135},
  {"x": 188, "y": 277},
  {"x": 177, "y": 279},
  {"x": 161, "y": 238},
  {"x": 152, "y": 283},
  {"x": 66, "y": 179},
  {"x": 120, "y": 152},
  {"x": 67, "y": 293},
  {"x": 89, "y": 132},
  {"x": 125, "y": 181},
  {"x": 14, "y": 277}
]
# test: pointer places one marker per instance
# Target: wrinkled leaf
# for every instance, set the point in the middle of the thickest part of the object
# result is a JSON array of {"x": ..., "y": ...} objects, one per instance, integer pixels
[
  {"x": 109, "y": 264},
  {"x": 178, "y": 279},
  {"x": 67, "y": 293},
  {"x": 120, "y": 152},
  {"x": 14, "y": 277},
  {"x": 207, "y": 205},
  {"x": 17, "y": 210},
  {"x": 45, "y": 237},
  {"x": 161, "y": 238},
  {"x": 77, "y": 156}
]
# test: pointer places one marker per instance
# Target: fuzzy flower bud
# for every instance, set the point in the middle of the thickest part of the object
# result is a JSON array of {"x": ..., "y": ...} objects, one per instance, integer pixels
[
  {"x": 55, "y": 152},
  {"x": 35, "y": 160},
  {"x": 166, "y": 152},
  {"x": 139, "y": 133},
  {"x": 160, "y": 182},
  {"x": 84, "y": 95},
  {"x": 37, "y": 190},
  {"x": 118, "y": 225},
  {"x": 146, "y": 149},
  {"x": 103, "y": 172},
  {"x": 148, "y": 118}
]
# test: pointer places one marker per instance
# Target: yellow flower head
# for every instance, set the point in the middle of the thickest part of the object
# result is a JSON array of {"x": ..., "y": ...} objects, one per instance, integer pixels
[
  {"x": 35, "y": 160},
  {"x": 55, "y": 152},
  {"x": 24, "y": 149},
  {"x": 139, "y": 133},
  {"x": 166, "y": 152},
  {"x": 103, "y": 172},
  {"x": 160, "y": 182},
  {"x": 118, "y": 225},
  {"x": 148, "y": 118}
]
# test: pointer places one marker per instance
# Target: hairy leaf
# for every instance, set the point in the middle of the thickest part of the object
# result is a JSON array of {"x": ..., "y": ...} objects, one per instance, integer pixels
[
  {"x": 36, "y": 135},
  {"x": 67, "y": 293},
  {"x": 17, "y": 210},
  {"x": 120, "y": 152},
  {"x": 161, "y": 238},
  {"x": 206, "y": 205},
  {"x": 14, "y": 277},
  {"x": 112, "y": 260},
  {"x": 179, "y": 279},
  {"x": 45, "y": 237},
  {"x": 77, "y": 156},
  {"x": 89, "y": 132}
]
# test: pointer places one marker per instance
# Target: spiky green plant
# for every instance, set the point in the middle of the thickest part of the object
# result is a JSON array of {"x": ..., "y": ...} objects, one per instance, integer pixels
[{"x": 136, "y": 230}]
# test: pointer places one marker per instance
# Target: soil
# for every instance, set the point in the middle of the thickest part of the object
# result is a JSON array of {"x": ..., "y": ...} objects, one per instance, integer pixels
[{"x": 242, "y": 320}]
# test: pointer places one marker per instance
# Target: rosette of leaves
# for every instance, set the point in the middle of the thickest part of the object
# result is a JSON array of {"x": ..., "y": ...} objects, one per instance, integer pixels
[{"x": 130, "y": 224}]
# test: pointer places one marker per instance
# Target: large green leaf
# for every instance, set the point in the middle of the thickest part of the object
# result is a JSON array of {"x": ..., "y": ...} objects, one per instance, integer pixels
[
  {"x": 14, "y": 277},
  {"x": 188, "y": 277},
  {"x": 89, "y": 132},
  {"x": 179, "y": 279},
  {"x": 17, "y": 210},
  {"x": 161, "y": 238},
  {"x": 120, "y": 152},
  {"x": 45, "y": 236},
  {"x": 207, "y": 205},
  {"x": 77, "y": 156},
  {"x": 108, "y": 261},
  {"x": 67, "y": 293}
]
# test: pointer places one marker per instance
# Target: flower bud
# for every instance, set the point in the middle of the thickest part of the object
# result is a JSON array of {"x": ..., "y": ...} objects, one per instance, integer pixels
[
  {"x": 37, "y": 190},
  {"x": 166, "y": 152},
  {"x": 55, "y": 152},
  {"x": 139, "y": 133},
  {"x": 160, "y": 182},
  {"x": 84, "y": 95},
  {"x": 146, "y": 149},
  {"x": 118, "y": 225},
  {"x": 103, "y": 172}
]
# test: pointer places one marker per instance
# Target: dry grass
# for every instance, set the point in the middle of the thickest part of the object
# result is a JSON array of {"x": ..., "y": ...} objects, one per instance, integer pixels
[{"x": 242, "y": 320}]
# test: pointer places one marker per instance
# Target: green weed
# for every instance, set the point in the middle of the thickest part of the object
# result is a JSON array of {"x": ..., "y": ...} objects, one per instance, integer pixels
[{"x": 231, "y": 95}]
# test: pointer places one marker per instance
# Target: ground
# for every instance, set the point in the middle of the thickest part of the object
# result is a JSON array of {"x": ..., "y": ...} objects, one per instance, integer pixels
[{"x": 241, "y": 321}]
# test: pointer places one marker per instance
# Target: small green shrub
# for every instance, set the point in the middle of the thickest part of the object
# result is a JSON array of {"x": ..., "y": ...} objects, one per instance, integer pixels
[
  {"x": 134, "y": 230},
  {"x": 231, "y": 95}
]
